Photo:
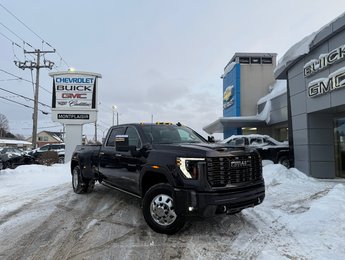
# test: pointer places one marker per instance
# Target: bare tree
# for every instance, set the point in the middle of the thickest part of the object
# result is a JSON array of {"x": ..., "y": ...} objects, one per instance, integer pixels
[
  {"x": 3, "y": 125},
  {"x": 20, "y": 137}
]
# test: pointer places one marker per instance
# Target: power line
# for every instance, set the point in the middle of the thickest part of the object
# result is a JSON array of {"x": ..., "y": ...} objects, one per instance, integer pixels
[
  {"x": 43, "y": 41},
  {"x": 44, "y": 112},
  {"x": 20, "y": 78},
  {"x": 8, "y": 79},
  {"x": 44, "y": 127},
  {"x": 22, "y": 22},
  {"x": 13, "y": 42},
  {"x": 16, "y": 35},
  {"x": 23, "y": 97}
]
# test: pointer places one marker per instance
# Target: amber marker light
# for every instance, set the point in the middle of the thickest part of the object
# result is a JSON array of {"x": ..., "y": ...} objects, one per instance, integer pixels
[{"x": 155, "y": 167}]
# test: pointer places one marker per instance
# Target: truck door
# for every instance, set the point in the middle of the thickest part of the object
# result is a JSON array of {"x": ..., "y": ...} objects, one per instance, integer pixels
[
  {"x": 132, "y": 163},
  {"x": 109, "y": 158}
]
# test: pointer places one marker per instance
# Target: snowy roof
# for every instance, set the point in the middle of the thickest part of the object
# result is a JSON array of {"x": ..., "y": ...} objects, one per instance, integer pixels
[
  {"x": 278, "y": 88},
  {"x": 242, "y": 121},
  {"x": 303, "y": 47},
  {"x": 8, "y": 141},
  {"x": 57, "y": 135}
]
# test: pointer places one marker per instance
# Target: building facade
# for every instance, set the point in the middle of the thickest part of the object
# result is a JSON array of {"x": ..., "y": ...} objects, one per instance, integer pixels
[
  {"x": 315, "y": 71},
  {"x": 253, "y": 101},
  {"x": 245, "y": 80},
  {"x": 47, "y": 137}
]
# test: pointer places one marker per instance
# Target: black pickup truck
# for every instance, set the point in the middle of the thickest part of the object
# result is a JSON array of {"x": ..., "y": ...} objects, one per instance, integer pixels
[{"x": 173, "y": 170}]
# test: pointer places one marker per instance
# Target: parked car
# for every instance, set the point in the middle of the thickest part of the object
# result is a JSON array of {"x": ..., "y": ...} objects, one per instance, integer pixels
[
  {"x": 269, "y": 148},
  {"x": 58, "y": 148},
  {"x": 10, "y": 151},
  {"x": 11, "y": 157}
]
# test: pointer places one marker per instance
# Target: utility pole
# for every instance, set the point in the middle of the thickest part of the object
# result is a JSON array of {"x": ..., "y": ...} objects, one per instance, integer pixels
[
  {"x": 96, "y": 132},
  {"x": 35, "y": 65}
]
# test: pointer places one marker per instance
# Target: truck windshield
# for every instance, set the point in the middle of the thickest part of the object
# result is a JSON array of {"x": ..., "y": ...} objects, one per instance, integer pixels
[{"x": 169, "y": 134}]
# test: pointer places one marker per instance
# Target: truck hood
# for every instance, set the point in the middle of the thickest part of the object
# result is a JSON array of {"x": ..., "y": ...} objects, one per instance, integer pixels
[{"x": 203, "y": 149}]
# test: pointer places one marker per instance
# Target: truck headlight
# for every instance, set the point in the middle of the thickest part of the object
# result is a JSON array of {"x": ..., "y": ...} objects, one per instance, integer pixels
[{"x": 189, "y": 166}]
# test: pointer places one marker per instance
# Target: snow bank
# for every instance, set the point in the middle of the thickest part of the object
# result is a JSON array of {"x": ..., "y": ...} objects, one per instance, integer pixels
[
  {"x": 277, "y": 174},
  {"x": 308, "y": 212},
  {"x": 29, "y": 178},
  {"x": 322, "y": 225}
]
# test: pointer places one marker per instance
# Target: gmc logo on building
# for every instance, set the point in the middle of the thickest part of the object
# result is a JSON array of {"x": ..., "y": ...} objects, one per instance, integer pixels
[{"x": 74, "y": 95}]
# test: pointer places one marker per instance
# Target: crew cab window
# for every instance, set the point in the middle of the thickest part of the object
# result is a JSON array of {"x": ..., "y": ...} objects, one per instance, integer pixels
[
  {"x": 133, "y": 137},
  {"x": 114, "y": 132}
]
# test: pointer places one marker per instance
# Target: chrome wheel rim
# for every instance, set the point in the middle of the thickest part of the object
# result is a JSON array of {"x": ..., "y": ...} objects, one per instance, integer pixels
[
  {"x": 75, "y": 177},
  {"x": 162, "y": 210}
]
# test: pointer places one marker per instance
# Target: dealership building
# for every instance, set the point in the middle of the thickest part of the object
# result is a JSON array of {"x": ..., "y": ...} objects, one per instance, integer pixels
[
  {"x": 315, "y": 72},
  {"x": 312, "y": 106},
  {"x": 253, "y": 100}
]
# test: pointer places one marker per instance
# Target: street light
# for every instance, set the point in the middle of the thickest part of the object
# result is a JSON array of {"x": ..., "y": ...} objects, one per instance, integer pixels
[{"x": 117, "y": 115}]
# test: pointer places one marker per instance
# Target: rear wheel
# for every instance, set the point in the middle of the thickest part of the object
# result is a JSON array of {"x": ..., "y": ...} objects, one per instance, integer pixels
[
  {"x": 80, "y": 184},
  {"x": 7, "y": 165},
  {"x": 61, "y": 159},
  {"x": 160, "y": 211},
  {"x": 284, "y": 160}
]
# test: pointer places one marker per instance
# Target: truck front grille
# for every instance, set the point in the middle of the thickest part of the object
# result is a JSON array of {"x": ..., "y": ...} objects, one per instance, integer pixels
[{"x": 222, "y": 171}]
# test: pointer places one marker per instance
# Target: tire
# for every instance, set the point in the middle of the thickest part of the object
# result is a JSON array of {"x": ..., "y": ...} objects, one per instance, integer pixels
[
  {"x": 284, "y": 160},
  {"x": 7, "y": 165},
  {"x": 80, "y": 184},
  {"x": 61, "y": 159},
  {"x": 160, "y": 212}
]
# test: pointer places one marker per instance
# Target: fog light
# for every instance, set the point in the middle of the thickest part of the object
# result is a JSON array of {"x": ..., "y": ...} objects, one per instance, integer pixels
[{"x": 190, "y": 208}]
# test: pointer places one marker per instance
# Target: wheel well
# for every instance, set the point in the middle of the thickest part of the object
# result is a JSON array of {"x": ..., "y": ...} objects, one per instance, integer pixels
[
  {"x": 73, "y": 164},
  {"x": 150, "y": 179}
]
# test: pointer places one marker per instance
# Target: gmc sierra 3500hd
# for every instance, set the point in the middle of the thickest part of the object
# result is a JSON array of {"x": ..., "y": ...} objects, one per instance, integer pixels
[{"x": 173, "y": 170}]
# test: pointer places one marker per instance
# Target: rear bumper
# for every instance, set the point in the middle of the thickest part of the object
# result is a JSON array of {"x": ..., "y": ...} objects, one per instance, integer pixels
[{"x": 207, "y": 204}]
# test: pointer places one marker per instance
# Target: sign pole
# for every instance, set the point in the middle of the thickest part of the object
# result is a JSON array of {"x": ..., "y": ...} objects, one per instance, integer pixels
[{"x": 72, "y": 131}]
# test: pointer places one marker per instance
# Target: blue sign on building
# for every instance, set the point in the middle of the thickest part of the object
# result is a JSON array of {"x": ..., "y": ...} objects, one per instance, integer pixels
[{"x": 232, "y": 98}]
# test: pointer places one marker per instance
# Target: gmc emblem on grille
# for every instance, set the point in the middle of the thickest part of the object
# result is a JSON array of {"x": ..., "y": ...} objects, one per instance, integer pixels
[{"x": 238, "y": 164}]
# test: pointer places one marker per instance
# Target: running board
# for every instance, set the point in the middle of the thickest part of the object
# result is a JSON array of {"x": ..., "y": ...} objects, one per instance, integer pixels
[{"x": 116, "y": 188}]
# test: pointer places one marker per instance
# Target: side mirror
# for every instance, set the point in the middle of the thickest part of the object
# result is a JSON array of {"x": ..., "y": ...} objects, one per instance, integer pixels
[
  {"x": 134, "y": 151},
  {"x": 210, "y": 139},
  {"x": 121, "y": 143}
]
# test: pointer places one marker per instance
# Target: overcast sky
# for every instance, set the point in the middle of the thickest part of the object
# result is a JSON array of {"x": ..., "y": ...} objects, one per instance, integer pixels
[{"x": 157, "y": 57}]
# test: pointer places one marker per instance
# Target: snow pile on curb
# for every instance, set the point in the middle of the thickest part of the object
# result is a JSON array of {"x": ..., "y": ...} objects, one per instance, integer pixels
[{"x": 28, "y": 178}]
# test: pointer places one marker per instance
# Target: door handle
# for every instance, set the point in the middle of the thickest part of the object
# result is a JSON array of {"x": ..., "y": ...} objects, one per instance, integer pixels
[
  {"x": 118, "y": 155},
  {"x": 101, "y": 153}
]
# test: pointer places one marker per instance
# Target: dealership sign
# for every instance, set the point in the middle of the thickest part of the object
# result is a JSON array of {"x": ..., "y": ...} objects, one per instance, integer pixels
[
  {"x": 325, "y": 60},
  {"x": 336, "y": 80},
  {"x": 74, "y": 92},
  {"x": 74, "y": 99}
]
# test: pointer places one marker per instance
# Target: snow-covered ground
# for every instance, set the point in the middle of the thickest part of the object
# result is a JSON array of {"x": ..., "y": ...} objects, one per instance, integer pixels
[{"x": 41, "y": 218}]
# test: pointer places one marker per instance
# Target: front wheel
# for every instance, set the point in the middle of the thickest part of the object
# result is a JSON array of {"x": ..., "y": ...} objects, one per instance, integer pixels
[
  {"x": 160, "y": 211},
  {"x": 80, "y": 184}
]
